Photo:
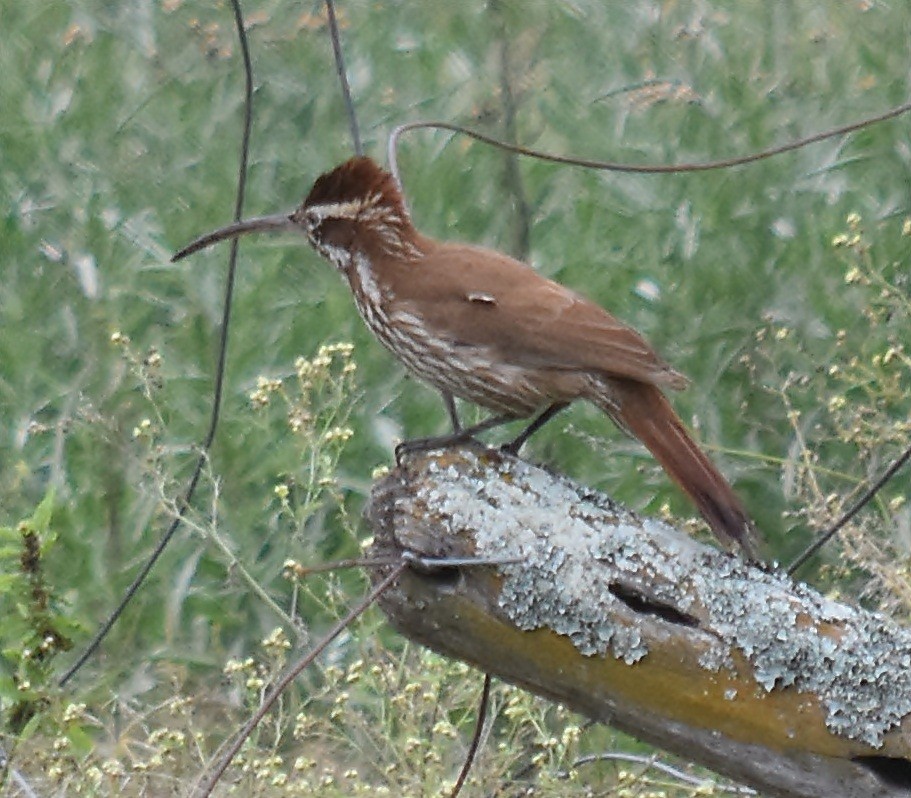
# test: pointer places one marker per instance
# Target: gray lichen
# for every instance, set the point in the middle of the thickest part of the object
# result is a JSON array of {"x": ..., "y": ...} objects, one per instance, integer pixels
[
  {"x": 575, "y": 545},
  {"x": 860, "y": 672},
  {"x": 555, "y": 586}
]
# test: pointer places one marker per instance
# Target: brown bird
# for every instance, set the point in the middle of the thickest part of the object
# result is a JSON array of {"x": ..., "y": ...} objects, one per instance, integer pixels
[{"x": 482, "y": 326}]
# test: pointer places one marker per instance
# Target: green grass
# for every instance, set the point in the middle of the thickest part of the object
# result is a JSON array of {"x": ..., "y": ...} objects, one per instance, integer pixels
[{"x": 120, "y": 139}]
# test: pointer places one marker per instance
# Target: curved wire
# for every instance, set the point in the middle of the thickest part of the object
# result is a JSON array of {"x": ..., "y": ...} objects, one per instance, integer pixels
[
  {"x": 615, "y": 166},
  {"x": 184, "y": 502},
  {"x": 343, "y": 78}
]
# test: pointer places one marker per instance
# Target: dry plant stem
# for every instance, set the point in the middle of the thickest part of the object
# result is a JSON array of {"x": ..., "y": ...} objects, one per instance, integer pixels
[
  {"x": 205, "y": 788},
  {"x": 614, "y": 166},
  {"x": 805, "y": 455},
  {"x": 651, "y": 762},
  {"x": 210, "y": 533},
  {"x": 6, "y": 772},
  {"x": 475, "y": 738},
  {"x": 21, "y": 784},
  {"x": 343, "y": 78},
  {"x": 826, "y": 536},
  {"x": 187, "y": 497},
  {"x": 632, "y": 623}
]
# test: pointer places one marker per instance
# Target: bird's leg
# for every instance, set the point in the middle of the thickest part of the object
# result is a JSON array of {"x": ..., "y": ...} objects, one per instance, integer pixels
[
  {"x": 442, "y": 441},
  {"x": 451, "y": 409},
  {"x": 513, "y": 446}
]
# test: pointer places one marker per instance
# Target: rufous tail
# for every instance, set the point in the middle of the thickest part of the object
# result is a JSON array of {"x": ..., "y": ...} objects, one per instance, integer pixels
[{"x": 644, "y": 411}]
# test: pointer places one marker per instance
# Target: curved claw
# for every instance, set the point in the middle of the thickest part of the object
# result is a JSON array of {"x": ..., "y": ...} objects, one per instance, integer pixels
[{"x": 427, "y": 444}]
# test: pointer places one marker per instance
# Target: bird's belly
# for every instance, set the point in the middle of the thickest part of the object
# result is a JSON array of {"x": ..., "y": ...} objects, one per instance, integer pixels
[
  {"x": 468, "y": 372},
  {"x": 470, "y": 375}
]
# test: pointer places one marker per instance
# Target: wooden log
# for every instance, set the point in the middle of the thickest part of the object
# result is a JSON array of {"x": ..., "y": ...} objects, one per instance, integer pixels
[{"x": 630, "y": 622}]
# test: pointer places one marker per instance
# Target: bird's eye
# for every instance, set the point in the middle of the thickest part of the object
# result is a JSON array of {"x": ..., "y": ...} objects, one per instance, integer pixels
[{"x": 311, "y": 223}]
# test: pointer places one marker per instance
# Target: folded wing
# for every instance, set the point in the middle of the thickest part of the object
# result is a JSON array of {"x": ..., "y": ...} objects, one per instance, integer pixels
[{"x": 480, "y": 298}]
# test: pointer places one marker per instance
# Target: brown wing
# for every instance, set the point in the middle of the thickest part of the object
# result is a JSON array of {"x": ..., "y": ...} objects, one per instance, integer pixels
[{"x": 478, "y": 297}]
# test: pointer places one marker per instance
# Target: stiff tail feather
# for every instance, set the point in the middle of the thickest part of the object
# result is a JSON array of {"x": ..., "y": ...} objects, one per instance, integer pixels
[{"x": 643, "y": 410}]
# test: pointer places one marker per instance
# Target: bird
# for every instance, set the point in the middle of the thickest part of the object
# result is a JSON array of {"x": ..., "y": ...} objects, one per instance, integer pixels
[{"x": 484, "y": 327}]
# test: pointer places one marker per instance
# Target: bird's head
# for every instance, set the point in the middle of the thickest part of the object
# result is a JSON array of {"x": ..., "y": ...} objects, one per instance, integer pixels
[{"x": 357, "y": 207}]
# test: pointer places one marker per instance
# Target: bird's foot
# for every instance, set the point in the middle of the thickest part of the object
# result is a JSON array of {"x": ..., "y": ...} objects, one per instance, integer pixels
[
  {"x": 513, "y": 447},
  {"x": 464, "y": 435},
  {"x": 406, "y": 448}
]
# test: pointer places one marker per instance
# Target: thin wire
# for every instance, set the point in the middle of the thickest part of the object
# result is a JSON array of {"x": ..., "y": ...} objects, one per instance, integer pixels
[
  {"x": 614, "y": 166},
  {"x": 205, "y": 789},
  {"x": 218, "y": 390},
  {"x": 302, "y": 571},
  {"x": 826, "y": 536},
  {"x": 475, "y": 738},
  {"x": 343, "y": 78}
]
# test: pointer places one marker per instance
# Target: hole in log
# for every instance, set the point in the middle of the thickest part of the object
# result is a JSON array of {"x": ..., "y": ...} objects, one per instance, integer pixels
[
  {"x": 893, "y": 771},
  {"x": 648, "y": 606},
  {"x": 445, "y": 575}
]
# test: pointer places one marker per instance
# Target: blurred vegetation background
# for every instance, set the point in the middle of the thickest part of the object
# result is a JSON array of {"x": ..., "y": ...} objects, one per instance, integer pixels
[{"x": 780, "y": 288}]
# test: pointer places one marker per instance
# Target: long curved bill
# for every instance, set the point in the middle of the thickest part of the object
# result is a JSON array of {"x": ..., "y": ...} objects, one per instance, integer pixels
[{"x": 261, "y": 224}]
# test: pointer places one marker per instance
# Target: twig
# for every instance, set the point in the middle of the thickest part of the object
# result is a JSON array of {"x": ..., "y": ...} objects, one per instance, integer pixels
[
  {"x": 614, "y": 166},
  {"x": 20, "y": 782},
  {"x": 210, "y": 534},
  {"x": 475, "y": 738},
  {"x": 205, "y": 789},
  {"x": 651, "y": 762},
  {"x": 184, "y": 502},
  {"x": 639, "y": 84},
  {"x": 343, "y": 78},
  {"x": 18, "y": 779},
  {"x": 861, "y": 503},
  {"x": 804, "y": 454}
]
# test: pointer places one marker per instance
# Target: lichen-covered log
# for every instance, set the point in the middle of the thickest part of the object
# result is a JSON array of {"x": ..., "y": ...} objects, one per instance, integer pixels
[{"x": 633, "y": 623}]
